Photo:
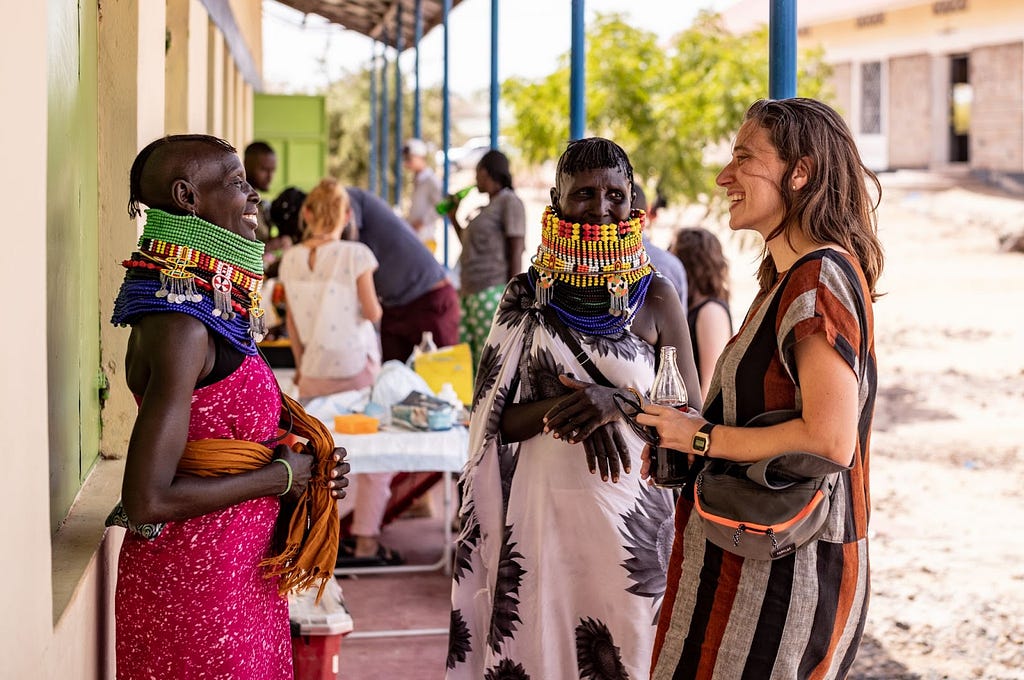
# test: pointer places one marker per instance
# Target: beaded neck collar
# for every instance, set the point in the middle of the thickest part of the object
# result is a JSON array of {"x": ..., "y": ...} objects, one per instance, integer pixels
[
  {"x": 186, "y": 264},
  {"x": 595, "y": 276}
]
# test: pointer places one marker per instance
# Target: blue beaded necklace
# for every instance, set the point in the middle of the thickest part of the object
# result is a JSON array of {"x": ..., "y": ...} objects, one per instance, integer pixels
[{"x": 601, "y": 323}]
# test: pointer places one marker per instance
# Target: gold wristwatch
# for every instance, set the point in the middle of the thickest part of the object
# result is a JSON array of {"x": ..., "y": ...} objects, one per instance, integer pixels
[{"x": 702, "y": 439}]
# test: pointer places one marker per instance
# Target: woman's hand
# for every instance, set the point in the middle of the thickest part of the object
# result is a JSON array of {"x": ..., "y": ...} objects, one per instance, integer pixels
[
  {"x": 302, "y": 469},
  {"x": 645, "y": 464},
  {"x": 339, "y": 480},
  {"x": 605, "y": 450},
  {"x": 581, "y": 412},
  {"x": 675, "y": 428}
]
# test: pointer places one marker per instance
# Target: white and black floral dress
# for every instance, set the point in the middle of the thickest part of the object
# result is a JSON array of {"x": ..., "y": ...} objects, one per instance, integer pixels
[{"x": 557, "y": 574}]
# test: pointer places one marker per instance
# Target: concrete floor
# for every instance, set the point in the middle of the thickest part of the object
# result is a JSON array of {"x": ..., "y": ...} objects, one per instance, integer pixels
[{"x": 412, "y": 600}]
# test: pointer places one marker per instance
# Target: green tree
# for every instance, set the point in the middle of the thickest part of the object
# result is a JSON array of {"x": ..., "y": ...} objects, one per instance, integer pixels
[
  {"x": 348, "y": 113},
  {"x": 666, "y": 106}
]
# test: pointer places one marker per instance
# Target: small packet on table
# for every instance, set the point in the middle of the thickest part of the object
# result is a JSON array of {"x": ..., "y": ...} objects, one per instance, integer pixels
[{"x": 420, "y": 411}]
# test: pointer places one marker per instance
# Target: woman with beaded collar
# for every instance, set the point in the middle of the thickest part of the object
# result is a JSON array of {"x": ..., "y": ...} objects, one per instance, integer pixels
[
  {"x": 201, "y": 574},
  {"x": 545, "y": 541}
]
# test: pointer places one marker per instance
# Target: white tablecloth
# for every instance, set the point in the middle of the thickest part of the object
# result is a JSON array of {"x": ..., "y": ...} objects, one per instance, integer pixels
[{"x": 405, "y": 451}]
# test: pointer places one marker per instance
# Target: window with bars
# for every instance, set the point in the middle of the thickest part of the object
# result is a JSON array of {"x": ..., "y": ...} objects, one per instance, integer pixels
[{"x": 871, "y": 98}]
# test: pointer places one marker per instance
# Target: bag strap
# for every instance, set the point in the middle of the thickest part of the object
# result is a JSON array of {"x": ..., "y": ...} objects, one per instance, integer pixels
[{"x": 573, "y": 344}]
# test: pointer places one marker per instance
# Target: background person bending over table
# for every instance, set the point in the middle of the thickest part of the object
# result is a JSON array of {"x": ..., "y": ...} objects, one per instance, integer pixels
[
  {"x": 199, "y": 584},
  {"x": 413, "y": 287},
  {"x": 557, "y": 573},
  {"x": 807, "y": 342}
]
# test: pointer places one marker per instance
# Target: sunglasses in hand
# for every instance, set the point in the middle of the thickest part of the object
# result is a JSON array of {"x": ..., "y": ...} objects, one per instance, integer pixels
[{"x": 630, "y": 409}]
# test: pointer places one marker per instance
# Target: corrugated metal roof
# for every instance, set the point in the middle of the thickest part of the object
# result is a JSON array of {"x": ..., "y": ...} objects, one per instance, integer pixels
[{"x": 376, "y": 18}]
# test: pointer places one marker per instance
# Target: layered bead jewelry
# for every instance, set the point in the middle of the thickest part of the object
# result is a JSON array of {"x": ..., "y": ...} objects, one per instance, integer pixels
[
  {"x": 187, "y": 264},
  {"x": 595, "y": 276}
]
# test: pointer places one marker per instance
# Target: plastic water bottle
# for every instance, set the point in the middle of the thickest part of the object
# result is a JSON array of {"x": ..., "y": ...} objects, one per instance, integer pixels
[
  {"x": 447, "y": 393},
  {"x": 427, "y": 343},
  {"x": 669, "y": 467},
  {"x": 445, "y": 206}
]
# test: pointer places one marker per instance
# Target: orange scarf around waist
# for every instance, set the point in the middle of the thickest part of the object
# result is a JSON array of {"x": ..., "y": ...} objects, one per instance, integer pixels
[{"x": 308, "y": 556}]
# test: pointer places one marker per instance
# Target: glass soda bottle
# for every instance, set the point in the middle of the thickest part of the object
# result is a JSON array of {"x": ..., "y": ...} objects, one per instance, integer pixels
[
  {"x": 448, "y": 201},
  {"x": 668, "y": 467}
]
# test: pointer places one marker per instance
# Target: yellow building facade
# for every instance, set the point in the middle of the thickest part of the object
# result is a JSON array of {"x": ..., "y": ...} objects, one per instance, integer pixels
[
  {"x": 87, "y": 85},
  {"x": 922, "y": 84}
]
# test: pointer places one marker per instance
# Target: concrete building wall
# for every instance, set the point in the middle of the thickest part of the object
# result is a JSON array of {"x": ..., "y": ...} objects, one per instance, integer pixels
[
  {"x": 842, "y": 86},
  {"x": 898, "y": 33},
  {"x": 26, "y": 624},
  {"x": 997, "y": 113},
  {"x": 910, "y": 102}
]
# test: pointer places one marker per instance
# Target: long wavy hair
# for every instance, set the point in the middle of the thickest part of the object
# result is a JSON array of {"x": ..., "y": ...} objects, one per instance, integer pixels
[
  {"x": 707, "y": 270},
  {"x": 835, "y": 205}
]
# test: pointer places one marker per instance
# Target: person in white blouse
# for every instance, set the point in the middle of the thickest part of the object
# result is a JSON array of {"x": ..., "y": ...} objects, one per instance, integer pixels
[{"x": 332, "y": 308}]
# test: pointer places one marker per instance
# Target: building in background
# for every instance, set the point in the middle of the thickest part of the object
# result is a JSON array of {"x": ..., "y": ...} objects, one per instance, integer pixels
[
  {"x": 923, "y": 84},
  {"x": 87, "y": 85}
]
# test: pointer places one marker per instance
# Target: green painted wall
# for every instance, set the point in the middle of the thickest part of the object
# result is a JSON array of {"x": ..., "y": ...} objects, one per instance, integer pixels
[
  {"x": 296, "y": 127},
  {"x": 73, "y": 344}
]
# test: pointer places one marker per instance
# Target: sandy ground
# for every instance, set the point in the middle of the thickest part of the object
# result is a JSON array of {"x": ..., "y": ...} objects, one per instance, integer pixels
[
  {"x": 947, "y": 539},
  {"x": 947, "y": 523}
]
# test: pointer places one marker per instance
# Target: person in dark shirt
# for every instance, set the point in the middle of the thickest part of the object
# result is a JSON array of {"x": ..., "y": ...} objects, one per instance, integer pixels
[
  {"x": 667, "y": 264},
  {"x": 413, "y": 287}
]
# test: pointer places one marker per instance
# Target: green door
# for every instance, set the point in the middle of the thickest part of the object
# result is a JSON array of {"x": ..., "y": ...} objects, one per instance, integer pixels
[
  {"x": 72, "y": 255},
  {"x": 296, "y": 127}
]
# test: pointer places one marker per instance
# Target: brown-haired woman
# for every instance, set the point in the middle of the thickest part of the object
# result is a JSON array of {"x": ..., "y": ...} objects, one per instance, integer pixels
[
  {"x": 707, "y": 298},
  {"x": 806, "y": 344}
]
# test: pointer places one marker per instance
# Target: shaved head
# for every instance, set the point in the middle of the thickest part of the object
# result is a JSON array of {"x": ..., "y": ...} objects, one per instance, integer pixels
[{"x": 165, "y": 161}]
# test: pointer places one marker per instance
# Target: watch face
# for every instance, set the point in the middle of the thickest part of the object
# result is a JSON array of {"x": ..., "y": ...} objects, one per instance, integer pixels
[{"x": 700, "y": 442}]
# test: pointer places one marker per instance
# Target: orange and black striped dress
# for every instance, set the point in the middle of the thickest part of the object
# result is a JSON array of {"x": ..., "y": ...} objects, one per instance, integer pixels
[{"x": 801, "y": 616}]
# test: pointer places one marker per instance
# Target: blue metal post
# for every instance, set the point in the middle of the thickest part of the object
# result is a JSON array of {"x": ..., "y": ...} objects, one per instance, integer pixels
[
  {"x": 417, "y": 123},
  {"x": 495, "y": 84},
  {"x": 399, "y": 46},
  {"x": 577, "y": 76},
  {"x": 385, "y": 122},
  {"x": 373, "y": 118},
  {"x": 782, "y": 49},
  {"x": 446, "y": 133}
]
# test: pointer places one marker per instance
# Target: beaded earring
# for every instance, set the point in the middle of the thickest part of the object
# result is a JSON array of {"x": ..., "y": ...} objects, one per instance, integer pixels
[
  {"x": 177, "y": 284},
  {"x": 257, "y": 324},
  {"x": 544, "y": 288},
  {"x": 618, "y": 290},
  {"x": 221, "y": 284}
]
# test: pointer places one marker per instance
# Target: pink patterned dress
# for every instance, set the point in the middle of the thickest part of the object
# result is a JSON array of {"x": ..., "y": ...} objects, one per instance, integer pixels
[{"x": 193, "y": 602}]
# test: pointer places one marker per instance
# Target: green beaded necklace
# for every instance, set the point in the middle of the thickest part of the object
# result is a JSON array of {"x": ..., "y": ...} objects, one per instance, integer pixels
[{"x": 194, "y": 232}]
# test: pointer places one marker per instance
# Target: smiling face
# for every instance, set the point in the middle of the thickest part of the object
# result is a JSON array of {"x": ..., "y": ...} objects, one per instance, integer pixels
[
  {"x": 598, "y": 196},
  {"x": 753, "y": 180},
  {"x": 223, "y": 196}
]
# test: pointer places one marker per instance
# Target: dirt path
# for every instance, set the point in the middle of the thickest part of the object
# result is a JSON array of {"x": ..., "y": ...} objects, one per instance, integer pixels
[{"x": 947, "y": 538}]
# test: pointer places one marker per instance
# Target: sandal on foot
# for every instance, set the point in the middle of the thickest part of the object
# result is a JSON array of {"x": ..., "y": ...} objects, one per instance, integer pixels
[{"x": 385, "y": 557}]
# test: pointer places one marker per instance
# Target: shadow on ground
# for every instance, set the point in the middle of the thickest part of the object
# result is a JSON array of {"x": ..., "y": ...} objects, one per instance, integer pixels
[{"x": 874, "y": 663}]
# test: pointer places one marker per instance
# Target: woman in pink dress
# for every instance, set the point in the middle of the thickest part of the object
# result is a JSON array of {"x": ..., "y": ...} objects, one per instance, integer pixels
[{"x": 195, "y": 597}]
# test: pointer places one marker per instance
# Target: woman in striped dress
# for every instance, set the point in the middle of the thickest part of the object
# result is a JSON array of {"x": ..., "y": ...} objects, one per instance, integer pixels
[{"x": 806, "y": 343}]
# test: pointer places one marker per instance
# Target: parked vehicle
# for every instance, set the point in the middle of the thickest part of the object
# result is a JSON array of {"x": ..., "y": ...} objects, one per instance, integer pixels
[{"x": 466, "y": 157}]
